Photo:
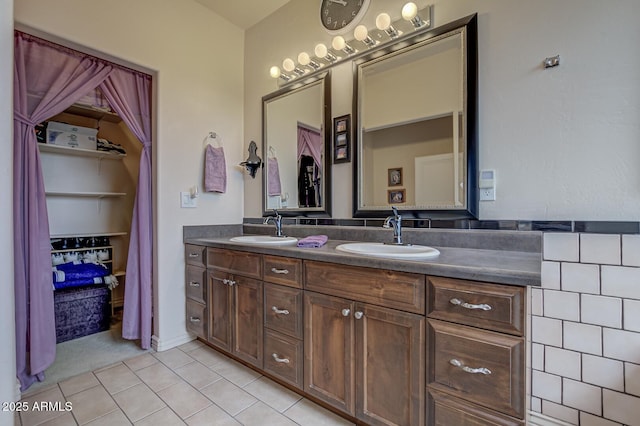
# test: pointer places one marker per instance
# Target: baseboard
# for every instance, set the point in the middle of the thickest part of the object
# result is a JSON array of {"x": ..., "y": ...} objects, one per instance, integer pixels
[
  {"x": 17, "y": 395},
  {"x": 537, "y": 419},
  {"x": 160, "y": 345}
]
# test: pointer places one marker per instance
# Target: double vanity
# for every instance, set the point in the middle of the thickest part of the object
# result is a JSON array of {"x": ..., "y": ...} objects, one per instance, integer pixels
[{"x": 380, "y": 339}]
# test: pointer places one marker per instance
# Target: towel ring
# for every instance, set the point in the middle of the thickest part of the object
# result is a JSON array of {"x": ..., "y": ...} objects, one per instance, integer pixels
[
  {"x": 272, "y": 152},
  {"x": 215, "y": 137}
]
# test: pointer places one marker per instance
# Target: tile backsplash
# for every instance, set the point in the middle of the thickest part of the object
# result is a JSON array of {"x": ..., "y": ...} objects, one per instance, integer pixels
[{"x": 585, "y": 330}]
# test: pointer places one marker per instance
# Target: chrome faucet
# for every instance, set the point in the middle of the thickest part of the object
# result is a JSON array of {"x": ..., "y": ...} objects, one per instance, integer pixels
[
  {"x": 277, "y": 220},
  {"x": 395, "y": 221}
]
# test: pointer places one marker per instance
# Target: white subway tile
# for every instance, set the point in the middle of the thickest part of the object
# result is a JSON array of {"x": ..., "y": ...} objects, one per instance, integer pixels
[
  {"x": 546, "y": 331},
  {"x": 581, "y": 278},
  {"x": 587, "y": 419},
  {"x": 560, "y": 412},
  {"x": 631, "y": 250},
  {"x": 600, "y": 248},
  {"x": 537, "y": 356},
  {"x": 621, "y": 281},
  {"x": 562, "y": 362},
  {"x": 550, "y": 275},
  {"x": 546, "y": 386},
  {"x": 620, "y": 407},
  {"x": 582, "y": 396},
  {"x": 631, "y": 315},
  {"x": 562, "y": 305},
  {"x": 536, "y": 404},
  {"x": 582, "y": 338},
  {"x": 632, "y": 378},
  {"x": 536, "y": 301},
  {"x": 604, "y": 372},
  {"x": 601, "y": 310},
  {"x": 560, "y": 246},
  {"x": 622, "y": 345}
]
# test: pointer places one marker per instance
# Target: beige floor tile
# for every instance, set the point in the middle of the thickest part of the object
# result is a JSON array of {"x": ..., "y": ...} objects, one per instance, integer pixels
[
  {"x": 92, "y": 403},
  {"x": 190, "y": 346},
  {"x": 173, "y": 358},
  {"x": 34, "y": 390},
  {"x": 235, "y": 372},
  {"x": 184, "y": 399},
  {"x": 306, "y": 413},
  {"x": 228, "y": 396},
  {"x": 207, "y": 356},
  {"x": 78, "y": 384},
  {"x": 274, "y": 395},
  {"x": 141, "y": 361},
  {"x": 198, "y": 375},
  {"x": 213, "y": 415},
  {"x": 158, "y": 376},
  {"x": 117, "y": 378},
  {"x": 260, "y": 414},
  {"x": 164, "y": 417},
  {"x": 106, "y": 367},
  {"x": 64, "y": 420},
  {"x": 33, "y": 416},
  {"x": 138, "y": 402},
  {"x": 114, "y": 418}
]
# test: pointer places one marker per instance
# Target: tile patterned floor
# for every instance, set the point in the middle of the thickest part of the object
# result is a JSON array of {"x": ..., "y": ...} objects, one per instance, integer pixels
[{"x": 189, "y": 385}]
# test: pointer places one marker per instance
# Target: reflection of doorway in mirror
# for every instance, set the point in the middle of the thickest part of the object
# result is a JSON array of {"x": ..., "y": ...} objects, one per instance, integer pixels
[{"x": 309, "y": 154}]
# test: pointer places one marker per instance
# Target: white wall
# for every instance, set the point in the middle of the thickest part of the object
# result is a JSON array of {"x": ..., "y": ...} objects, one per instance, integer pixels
[
  {"x": 563, "y": 141},
  {"x": 7, "y": 315},
  {"x": 198, "y": 60}
]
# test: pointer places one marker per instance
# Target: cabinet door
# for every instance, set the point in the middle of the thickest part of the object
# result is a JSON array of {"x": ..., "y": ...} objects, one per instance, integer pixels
[
  {"x": 220, "y": 298},
  {"x": 390, "y": 366},
  {"x": 247, "y": 320},
  {"x": 329, "y": 350}
]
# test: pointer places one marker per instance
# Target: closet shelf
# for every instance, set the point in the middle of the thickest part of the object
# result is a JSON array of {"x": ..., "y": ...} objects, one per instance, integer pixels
[
  {"x": 95, "y": 113},
  {"x": 79, "y": 152},
  {"x": 119, "y": 273},
  {"x": 85, "y": 235},
  {"x": 85, "y": 194}
]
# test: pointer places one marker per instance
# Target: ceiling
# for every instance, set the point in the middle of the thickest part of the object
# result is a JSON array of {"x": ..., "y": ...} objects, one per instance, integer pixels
[{"x": 244, "y": 13}]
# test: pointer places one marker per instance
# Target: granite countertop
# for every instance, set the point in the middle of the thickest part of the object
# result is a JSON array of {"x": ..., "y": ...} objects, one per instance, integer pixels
[{"x": 497, "y": 266}]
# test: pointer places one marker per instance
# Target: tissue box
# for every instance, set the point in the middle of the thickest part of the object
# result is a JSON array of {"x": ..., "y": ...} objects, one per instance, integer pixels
[{"x": 72, "y": 136}]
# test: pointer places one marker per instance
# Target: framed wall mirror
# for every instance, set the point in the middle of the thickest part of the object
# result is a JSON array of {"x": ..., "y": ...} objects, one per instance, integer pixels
[
  {"x": 297, "y": 144},
  {"x": 415, "y": 103}
]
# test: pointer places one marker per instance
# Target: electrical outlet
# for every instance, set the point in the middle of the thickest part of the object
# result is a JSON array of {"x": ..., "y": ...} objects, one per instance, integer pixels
[
  {"x": 187, "y": 202},
  {"x": 487, "y": 194}
]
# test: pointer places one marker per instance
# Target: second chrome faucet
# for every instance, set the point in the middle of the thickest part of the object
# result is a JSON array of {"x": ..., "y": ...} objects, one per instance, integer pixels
[
  {"x": 277, "y": 221},
  {"x": 395, "y": 222}
]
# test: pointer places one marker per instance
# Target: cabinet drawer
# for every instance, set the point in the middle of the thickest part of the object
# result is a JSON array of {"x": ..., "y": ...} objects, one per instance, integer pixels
[
  {"x": 491, "y": 306},
  {"x": 235, "y": 262},
  {"x": 445, "y": 410},
  {"x": 282, "y": 270},
  {"x": 479, "y": 366},
  {"x": 283, "y": 357},
  {"x": 283, "y": 309},
  {"x": 195, "y": 255},
  {"x": 195, "y": 283},
  {"x": 197, "y": 318},
  {"x": 392, "y": 289}
]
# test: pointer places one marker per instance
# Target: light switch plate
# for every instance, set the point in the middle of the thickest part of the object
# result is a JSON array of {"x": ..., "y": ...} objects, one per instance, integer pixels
[{"x": 186, "y": 202}]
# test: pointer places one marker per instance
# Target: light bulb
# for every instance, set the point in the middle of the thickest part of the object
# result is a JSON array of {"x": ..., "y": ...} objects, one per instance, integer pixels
[
  {"x": 288, "y": 65},
  {"x": 338, "y": 43},
  {"x": 274, "y": 72},
  {"x": 383, "y": 21},
  {"x": 409, "y": 11},
  {"x": 303, "y": 58},
  {"x": 360, "y": 33},
  {"x": 321, "y": 50}
]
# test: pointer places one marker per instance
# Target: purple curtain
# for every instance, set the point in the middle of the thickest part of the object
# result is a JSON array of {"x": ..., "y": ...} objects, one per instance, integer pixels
[
  {"x": 310, "y": 143},
  {"x": 129, "y": 93},
  {"x": 55, "y": 77}
]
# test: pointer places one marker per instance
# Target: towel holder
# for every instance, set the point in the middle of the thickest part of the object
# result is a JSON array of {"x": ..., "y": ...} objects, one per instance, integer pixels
[{"x": 215, "y": 137}]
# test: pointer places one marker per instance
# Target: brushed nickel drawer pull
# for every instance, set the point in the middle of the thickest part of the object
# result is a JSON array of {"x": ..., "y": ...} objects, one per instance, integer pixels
[
  {"x": 194, "y": 284},
  {"x": 281, "y": 360},
  {"x": 358, "y": 315},
  {"x": 459, "y": 364},
  {"x": 194, "y": 255},
  {"x": 280, "y": 311},
  {"x": 228, "y": 282},
  {"x": 194, "y": 319},
  {"x": 346, "y": 312},
  {"x": 280, "y": 271},
  {"x": 459, "y": 302}
]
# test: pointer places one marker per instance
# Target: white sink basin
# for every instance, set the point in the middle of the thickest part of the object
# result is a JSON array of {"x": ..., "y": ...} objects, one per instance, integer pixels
[
  {"x": 390, "y": 251},
  {"x": 265, "y": 240}
]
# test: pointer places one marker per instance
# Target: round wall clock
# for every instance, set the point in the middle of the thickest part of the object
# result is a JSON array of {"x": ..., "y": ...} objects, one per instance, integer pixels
[{"x": 340, "y": 16}]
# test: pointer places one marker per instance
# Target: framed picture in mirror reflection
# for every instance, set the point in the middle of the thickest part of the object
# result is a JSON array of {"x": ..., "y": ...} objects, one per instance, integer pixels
[
  {"x": 396, "y": 196},
  {"x": 341, "y": 139},
  {"x": 395, "y": 176}
]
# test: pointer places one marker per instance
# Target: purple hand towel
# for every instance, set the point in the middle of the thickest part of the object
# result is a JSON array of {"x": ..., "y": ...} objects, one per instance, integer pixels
[
  {"x": 273, "y": 178},
  {"x": 215, "y": 170},
  {"x": 313, "y": 241}
]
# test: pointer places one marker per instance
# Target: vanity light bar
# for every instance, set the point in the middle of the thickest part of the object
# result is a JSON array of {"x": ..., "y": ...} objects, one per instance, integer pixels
[{"x": 339, "y": 44}]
